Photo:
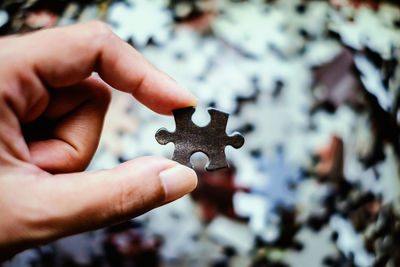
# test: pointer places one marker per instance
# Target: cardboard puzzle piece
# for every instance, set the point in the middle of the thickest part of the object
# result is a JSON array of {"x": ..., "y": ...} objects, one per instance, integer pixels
[{"x": 190, "y": 138}]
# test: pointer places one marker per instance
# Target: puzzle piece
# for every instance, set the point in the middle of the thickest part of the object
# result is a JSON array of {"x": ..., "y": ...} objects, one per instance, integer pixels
[
  {"x": 3, "y": 17},
  {"x": 125, "y": 16},
  {"x": 190, "y": 138}
]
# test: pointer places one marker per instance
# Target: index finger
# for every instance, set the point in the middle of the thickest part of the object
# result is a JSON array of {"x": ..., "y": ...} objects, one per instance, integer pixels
[{"x": 66, "y": 55}]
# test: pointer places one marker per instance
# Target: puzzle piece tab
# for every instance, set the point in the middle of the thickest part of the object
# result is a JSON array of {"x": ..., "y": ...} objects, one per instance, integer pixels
[{"x": 190, "y": 138}]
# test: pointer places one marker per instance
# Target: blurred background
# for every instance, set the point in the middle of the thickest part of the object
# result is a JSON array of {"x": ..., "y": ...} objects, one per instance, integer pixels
[{"x": 314, "y": 88}]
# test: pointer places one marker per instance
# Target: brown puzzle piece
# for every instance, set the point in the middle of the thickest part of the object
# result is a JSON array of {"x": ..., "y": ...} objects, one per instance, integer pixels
[{"x": 190, "y": 138}]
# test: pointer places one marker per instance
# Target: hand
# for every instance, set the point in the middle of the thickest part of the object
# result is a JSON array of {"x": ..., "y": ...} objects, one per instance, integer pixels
[{"x": 47, "y": 86}]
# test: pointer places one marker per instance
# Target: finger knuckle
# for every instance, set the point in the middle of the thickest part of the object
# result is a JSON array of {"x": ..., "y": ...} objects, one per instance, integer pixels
[
  {"x": 131, "y": 201},
  {"x": 104, "y": 95},
  {"x": 76, "y": 159},
  {"x": 100, "y": 94},
  {"x": 99, "y": 30}
]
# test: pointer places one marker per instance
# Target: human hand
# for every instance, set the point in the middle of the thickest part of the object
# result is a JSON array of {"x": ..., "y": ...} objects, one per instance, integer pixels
[{"x": 47, "y": 86}]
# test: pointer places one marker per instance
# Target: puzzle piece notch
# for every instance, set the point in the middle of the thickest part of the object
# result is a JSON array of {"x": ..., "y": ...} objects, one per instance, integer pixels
[{"x": 190, "y": 138}]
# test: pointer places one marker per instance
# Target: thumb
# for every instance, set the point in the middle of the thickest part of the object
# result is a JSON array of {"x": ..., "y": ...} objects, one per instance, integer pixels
[{"x": 67, "y": 204}]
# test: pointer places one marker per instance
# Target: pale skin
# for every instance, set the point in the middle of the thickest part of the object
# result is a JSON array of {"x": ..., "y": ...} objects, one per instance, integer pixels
[{"x": 51, "y": 115}]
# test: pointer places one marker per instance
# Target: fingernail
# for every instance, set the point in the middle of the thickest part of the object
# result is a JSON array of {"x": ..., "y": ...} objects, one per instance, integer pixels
[{"x": 178, "y": 181}]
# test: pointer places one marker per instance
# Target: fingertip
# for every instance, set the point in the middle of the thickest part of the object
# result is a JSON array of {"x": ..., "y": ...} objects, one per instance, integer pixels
[
  {"x": 174, "y": 180},
  {"x": 161, "y": 93},
  {"x": 180, "y": 96},
  {"x": 178, "y": 181}
]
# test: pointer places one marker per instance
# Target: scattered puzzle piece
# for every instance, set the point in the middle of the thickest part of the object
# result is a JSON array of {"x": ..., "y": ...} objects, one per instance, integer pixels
[{"x": 190, "y": 138}]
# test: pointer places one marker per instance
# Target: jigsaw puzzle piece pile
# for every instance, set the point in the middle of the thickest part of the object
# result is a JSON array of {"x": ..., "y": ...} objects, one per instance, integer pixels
[{"x": 314, "y": 88}]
